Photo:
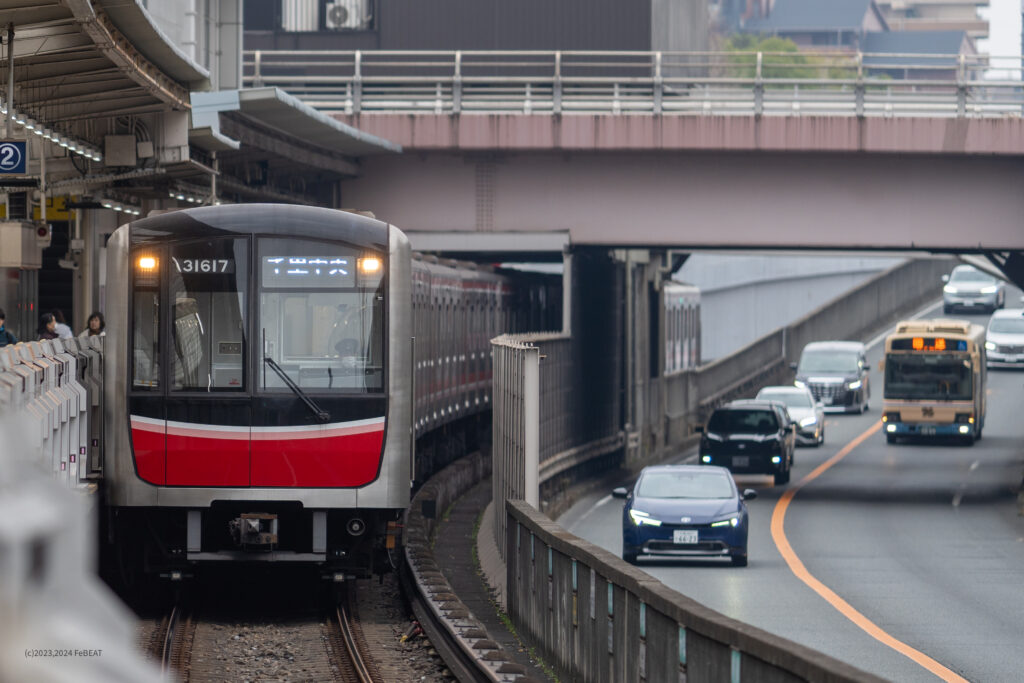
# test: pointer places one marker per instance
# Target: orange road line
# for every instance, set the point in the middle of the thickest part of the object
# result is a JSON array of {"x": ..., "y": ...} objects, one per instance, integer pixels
[{"x": 845, "y": 608}]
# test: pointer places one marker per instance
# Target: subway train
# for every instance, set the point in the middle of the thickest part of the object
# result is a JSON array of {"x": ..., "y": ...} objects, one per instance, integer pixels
[{"x": 269, "y": 369}]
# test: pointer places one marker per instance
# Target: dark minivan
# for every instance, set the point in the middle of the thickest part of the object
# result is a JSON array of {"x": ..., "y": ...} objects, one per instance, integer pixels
[
  {"x": 836, "y": 372},
  {"x": 750, "y": 437}
]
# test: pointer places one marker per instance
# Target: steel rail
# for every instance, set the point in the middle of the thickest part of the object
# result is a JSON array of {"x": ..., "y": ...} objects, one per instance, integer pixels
[
  {"x": 167, "y": 653},
  {"x": 348, "y": 638}
]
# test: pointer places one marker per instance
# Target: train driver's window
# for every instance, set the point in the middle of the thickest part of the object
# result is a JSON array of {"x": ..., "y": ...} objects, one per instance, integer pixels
[
  {"x": 208, "y": 314},
  {"x": 321, "y": 317}
]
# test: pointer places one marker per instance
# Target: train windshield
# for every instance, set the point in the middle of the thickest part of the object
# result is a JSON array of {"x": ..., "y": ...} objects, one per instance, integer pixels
[
  {"x": 928, "y": 376},
  {"x": 321, "y": 316},
  {"x": 208, "y": 315}
]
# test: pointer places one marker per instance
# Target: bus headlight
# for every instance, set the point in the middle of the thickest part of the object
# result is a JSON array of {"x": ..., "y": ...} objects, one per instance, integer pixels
[{"x": 964, "y": 429}]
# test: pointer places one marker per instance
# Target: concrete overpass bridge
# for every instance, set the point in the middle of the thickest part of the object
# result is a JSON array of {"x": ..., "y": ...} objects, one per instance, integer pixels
[{"x": 530, "y": 151}]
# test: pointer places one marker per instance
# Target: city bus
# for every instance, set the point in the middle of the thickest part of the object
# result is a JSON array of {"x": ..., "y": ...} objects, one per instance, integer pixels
[{"x": 934, "y": 380}]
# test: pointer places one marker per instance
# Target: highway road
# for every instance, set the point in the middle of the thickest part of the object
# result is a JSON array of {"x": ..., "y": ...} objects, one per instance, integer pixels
[{"x": 906, "y": 560}]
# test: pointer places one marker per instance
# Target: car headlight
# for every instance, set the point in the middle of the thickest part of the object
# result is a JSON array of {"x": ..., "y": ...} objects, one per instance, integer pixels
[
  {"x": 990, "y": 290},
  {"x": 991, "y": 346},
  {"x": 798, "y": 383},
  {"x": 733, "y": 520},
  {"x": 808, "y": 421},
  {"x": 854, "y": 384},
  {"x": 640, "y": 517},
  {"x": 949, "y": 289},
  {"x": 712, "y": 436}
]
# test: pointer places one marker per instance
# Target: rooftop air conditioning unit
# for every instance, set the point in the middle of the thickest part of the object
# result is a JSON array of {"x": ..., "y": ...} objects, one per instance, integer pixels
[{"x": 342, "y": 15}]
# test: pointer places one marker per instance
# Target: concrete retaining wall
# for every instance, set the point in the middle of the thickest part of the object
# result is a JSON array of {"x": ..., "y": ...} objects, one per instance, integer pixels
[{"x": 595, "y": 618}]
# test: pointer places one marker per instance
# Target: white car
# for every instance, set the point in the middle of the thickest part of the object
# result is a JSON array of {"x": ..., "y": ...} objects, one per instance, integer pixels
[
  {"x": 808, "y": 414},
  {"x": 969, "y": 288},
  {"x": 1004, "y": 340}
]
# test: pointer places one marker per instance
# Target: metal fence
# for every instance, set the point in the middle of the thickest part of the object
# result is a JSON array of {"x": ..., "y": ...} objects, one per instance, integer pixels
[
  {"x": 696, "y": 83},
  {"x": 515, "y": 449},
  {"x": 593, "y": 617},
  {"x": 53, "y": 389}
]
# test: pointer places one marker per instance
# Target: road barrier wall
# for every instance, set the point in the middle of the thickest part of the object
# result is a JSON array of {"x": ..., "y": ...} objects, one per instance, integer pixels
[
  {"x": 53, "y": 389},
  {"x": 865, "y": 310},
  {"x": 595, "y": 618}
]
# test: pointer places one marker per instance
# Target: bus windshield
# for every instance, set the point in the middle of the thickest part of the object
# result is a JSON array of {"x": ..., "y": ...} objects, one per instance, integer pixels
[{"x": 928, "y": 376}]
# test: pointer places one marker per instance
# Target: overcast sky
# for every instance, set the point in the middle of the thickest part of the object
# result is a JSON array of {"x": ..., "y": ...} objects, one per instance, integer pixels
[{"x": 1004, "y": 29}]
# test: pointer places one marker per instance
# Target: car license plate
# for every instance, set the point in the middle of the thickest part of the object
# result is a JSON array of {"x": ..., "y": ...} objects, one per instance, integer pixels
[
  {"x": 741, "y": 461},
  {"x": 684, "y": 536},
  {"x": 928, "y": 431}
]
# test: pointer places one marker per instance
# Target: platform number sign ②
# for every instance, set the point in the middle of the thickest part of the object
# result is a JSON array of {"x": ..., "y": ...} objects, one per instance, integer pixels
[{"x": 12, "y": 157}]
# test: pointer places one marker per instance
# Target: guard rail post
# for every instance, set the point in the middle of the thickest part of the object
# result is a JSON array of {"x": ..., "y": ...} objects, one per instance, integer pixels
[
  {"x": 858, "y": 88},
  {"x": 257, "y": 72},
  {"x": 457, "y": 84},
  {"x": 357, "y": 83},
  {"x": 556, "y": 84},
  {"x": 961, "y": 86},
  {"x": 758, "y": 87},
  {"x": 659, "y": 85}
]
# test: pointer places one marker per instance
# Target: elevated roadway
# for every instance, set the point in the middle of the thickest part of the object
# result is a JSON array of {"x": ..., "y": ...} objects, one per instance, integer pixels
[
  {"x": 923, "y": 540},
  {"x": 685, "y": 150}
]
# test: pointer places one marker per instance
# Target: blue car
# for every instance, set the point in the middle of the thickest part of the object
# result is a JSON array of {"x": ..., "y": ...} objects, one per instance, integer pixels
[{"x": 684, "y": 511}]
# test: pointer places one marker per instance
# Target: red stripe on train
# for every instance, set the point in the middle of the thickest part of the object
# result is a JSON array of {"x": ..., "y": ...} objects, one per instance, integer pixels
[{"x": 339, "y": 458}]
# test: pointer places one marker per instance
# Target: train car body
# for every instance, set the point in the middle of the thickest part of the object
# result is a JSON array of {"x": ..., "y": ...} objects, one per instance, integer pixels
[{"x": 262, "y": 364}]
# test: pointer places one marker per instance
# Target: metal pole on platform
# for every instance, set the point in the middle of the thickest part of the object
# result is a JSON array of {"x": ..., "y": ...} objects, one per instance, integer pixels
[{"x": 10, "y": 80}]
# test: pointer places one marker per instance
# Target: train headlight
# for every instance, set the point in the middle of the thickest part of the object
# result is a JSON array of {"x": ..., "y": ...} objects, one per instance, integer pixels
[
  {"x": 370, "y": 265},
  {"x": 147, "y": 263}
]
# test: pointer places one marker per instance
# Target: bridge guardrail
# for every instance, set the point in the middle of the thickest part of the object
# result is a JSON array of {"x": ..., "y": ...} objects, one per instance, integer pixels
[
  {"x": 593, "y": 618},
  {"x": 657, "y": 82},
  {"x": 54, "y": 391}
]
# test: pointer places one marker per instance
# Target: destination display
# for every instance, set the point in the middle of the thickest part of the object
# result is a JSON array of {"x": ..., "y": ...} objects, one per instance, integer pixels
[
  {"x": 929, "y": 344},
  {"x": 331, "y": 272}
]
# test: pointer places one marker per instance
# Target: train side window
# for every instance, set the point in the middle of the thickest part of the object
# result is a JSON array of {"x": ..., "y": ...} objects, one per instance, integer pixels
[{"x": 208, "y": 286}]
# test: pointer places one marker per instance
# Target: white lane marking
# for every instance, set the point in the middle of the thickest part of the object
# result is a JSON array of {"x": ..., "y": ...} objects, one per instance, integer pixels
[
  {"x": 920, "y": 314},
  {"x": 963, "y": 485},
  {"x": 592, "y": 510}
]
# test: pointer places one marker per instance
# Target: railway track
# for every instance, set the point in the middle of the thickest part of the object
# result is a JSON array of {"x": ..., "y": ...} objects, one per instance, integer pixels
[
  {"x": 348, "y": 646},
  {"x": 319, "y": 644}
]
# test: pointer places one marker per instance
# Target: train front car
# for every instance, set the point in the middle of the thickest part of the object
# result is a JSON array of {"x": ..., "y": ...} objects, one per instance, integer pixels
[{"x": 257, "y": 389}]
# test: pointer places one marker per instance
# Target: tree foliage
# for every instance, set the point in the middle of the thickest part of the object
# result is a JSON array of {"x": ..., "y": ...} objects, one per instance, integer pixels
[{"x": 781, "y": 58}]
